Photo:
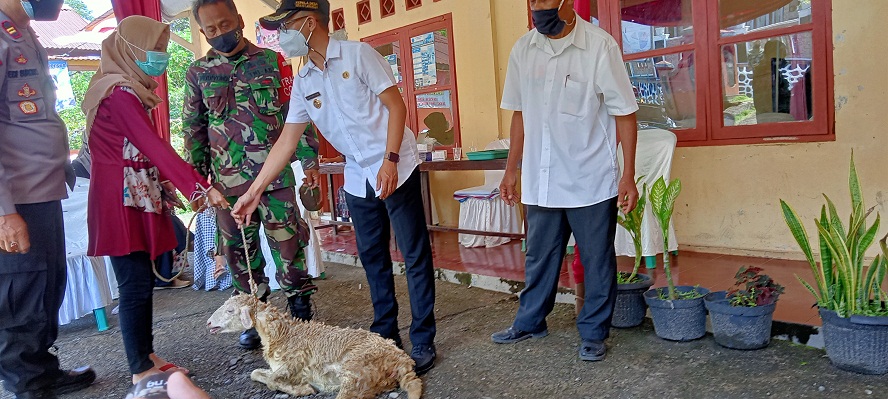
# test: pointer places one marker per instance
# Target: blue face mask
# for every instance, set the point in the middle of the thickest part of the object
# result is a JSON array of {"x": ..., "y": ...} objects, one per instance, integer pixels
[
  {"x": 29, "y": 9},
  {"x": 155, "y": 64}
]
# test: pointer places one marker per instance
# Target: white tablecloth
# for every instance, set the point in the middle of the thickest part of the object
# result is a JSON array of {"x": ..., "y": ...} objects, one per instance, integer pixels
[{"x": 653, "y": 159}]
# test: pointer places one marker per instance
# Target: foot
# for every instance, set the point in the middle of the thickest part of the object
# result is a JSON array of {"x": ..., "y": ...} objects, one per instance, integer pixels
[
  {"x": 592, "y": 351},
  {"x": 165, "y": 366},
  {"x": 424, "y": 357},
  {"x": 300, "y": 307},
  {"x": 250, "y": 340},
  {"x": 74, "y": 380},
  {"x": 512, "y": 335}
]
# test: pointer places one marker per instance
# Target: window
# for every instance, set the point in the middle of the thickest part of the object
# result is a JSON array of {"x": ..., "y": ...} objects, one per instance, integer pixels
[
  {"x": 726, "y": 71},
  {"x": 421, "y": 57},
  {"x": 364, "y": 13},
  {"x": 411, "y": 4}
]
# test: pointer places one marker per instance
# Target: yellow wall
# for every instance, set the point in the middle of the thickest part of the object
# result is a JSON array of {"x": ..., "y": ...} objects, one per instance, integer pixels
[{"x": 730, "y": 199}]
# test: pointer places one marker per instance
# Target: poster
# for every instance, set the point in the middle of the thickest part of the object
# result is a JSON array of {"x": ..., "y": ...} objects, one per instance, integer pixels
[
  {"x": 393, "y": 63},
  {"x": 425, "y": 71},
  {"x": 267, "y": 39},
  {"x": 636, "y": 37},
  {"x": 434, "y": 100},
  {"x": 64, "y": 92}
]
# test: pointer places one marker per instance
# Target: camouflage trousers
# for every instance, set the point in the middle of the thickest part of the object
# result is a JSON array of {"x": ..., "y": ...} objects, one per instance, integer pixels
[{"x": 287, "y": 235}]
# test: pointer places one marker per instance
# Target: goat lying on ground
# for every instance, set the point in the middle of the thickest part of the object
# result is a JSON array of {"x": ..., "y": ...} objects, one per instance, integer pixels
[{"x": 309, "y": 356}]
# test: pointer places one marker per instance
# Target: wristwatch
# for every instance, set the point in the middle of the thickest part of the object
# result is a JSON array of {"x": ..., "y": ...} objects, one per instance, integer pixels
[{"x": 393, "y": 156}]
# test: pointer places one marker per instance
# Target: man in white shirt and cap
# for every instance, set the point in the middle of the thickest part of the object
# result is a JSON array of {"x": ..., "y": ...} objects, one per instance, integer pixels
[
  {"x": 572, "y": 101},
  {"x": 348, "y": 91}
]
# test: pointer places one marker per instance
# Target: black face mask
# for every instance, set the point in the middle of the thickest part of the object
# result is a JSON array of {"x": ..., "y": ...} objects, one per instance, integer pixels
[
  {"x": 227, "y": 42},
  {"x": 46, "y": 10},
  {"x": 548, "y": 22}
]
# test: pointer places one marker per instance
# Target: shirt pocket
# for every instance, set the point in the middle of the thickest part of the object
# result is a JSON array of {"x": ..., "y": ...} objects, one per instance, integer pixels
[
  {"x": 216, "y": 99},
  {"x": 575, "y": 98},
  {"x": 25, "y": 100},
  {"x": 265, "y": 93}
]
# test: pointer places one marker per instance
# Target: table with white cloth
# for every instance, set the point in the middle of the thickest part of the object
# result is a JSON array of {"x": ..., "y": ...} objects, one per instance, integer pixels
[
  {"x": 89, "y": 283},
  {"x": 653, "y": 158}
]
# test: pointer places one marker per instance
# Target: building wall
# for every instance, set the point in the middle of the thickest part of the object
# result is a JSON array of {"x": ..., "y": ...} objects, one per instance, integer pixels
[
  {"x": 730, "y": 198},
  {"x": 730, "y": 201}
]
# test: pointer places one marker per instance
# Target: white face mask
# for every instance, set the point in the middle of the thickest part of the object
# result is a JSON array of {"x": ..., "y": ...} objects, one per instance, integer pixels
[{"x": 294, "y": 43}]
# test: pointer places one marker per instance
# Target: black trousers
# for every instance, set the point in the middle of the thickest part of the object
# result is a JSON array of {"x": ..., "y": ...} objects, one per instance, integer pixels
[
  {"x": 32, "y": 287},
  {"x": 548, "y": 230},
  {"x": 135, "y": 281},
  {"x": 373, "y": 219}
]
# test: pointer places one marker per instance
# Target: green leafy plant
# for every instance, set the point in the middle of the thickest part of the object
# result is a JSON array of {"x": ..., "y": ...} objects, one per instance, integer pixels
[
  {"x": 692, "y": 294},
  {"x": 841, "y": 281},
  {"x": 632, "y": 223},
  {"x": 662, "y": 198},
  {"x": 751, "y": 288}
]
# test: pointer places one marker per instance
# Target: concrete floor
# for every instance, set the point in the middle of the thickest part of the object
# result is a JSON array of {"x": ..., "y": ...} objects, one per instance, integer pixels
[{"x": 639, "y": 365}]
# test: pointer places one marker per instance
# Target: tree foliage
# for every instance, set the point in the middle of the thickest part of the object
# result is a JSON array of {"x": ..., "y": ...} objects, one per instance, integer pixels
[{"x": 80, "y": 7}]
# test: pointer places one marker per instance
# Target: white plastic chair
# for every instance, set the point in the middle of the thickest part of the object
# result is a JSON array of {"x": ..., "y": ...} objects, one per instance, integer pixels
[{"x": 483, "y": 210}]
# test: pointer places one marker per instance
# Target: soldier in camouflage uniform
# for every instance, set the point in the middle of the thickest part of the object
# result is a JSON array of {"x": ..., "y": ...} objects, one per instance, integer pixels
[{"x": 234, "y": 110}]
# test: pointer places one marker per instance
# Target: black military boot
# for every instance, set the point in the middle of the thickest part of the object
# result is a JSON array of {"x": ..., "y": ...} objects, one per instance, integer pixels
[
  {"x": 300, "y": 307},
  {"x": 250, "y": 339}
]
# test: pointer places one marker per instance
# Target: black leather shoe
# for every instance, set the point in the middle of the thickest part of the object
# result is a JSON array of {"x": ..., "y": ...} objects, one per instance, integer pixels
[
  {"x": 250, "y": 339},
  {"x": 512, "y": 335},
  {"x": 424, "y": 357},
  {"x": 300, "y": 307},
  {"x": 43, "y": 394},
  {"x": 592, "y": 351},
  {"x": 74, "y": 380}
]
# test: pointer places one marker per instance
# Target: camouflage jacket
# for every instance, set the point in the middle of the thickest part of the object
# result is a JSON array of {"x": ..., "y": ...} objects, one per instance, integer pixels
[{"x": 233, "y": 113}]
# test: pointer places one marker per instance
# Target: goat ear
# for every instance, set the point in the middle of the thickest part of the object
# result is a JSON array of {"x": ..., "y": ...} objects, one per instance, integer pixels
[{"x": 246, "y": 320}]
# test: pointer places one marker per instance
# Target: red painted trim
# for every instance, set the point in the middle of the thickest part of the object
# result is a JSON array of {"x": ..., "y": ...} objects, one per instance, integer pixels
[
  {"x": 335, "y": 16},
  {"x": 382, "y": 8},
  {"x": 364, "y": 5},
  {"x": 411, "y": 4}
]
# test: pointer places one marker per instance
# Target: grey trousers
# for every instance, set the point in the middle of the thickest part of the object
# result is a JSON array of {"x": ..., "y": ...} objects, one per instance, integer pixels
[{"x": 548, "y": 230}]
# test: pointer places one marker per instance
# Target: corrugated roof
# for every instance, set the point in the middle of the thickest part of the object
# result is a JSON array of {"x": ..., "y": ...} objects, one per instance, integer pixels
[{"x": 69, "y": 23}]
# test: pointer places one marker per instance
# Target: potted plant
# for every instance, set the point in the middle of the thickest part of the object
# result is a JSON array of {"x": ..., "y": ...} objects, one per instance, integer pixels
[
  {"x": 630, "y": 308},
  {"x": 678, "y": 312},
  {"x": 853, "y": 306},
  {"x": 741, "y": 317}
]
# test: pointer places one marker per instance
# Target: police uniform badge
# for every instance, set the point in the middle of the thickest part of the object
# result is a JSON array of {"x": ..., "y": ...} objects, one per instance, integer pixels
[
  {"x": 21, "y": 59},
  {"x": 345, "y": 75},
  {"x": 28, "y": 107},
  {"x": 27, "y": 91},
  {"x": 317, "y": 103},
  {"x": 11, "y": 30}
]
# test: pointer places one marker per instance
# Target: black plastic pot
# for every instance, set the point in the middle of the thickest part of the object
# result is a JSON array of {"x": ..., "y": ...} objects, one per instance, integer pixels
[
  {"x": 858, "y": 343},
  {"x": 630, "y": 308},
  {"x": 739, "y": 327},
  {"x": 680, "y": 319}
]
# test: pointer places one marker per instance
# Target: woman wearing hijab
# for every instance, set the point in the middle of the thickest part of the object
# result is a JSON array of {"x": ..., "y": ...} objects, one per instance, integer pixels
[{"x": 131, "y": 168}]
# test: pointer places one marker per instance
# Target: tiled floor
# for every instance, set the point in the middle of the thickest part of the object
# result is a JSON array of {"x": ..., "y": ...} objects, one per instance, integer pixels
[{"x": 712, "y": 271}]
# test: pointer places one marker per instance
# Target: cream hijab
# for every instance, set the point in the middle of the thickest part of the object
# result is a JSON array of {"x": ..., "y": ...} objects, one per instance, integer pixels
[{"x": 133, "y": 36}]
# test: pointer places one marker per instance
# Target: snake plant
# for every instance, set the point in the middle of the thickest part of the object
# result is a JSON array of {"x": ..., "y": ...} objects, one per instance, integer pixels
[
  {"x": 662, "y": 198},
  {"x": 632, "y": 223},
  {"x": 842, "y": 283}
]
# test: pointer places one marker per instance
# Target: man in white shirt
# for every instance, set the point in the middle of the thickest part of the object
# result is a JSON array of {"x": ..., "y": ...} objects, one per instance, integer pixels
[
  {"x": 571, "y": 99},
  {"x": 347, "y": 89}
]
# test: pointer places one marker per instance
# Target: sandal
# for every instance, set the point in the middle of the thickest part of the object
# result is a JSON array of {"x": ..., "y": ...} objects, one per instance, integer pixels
[
  {"x": 151, "y": 387},
  {"x": 172, "y": 368}
]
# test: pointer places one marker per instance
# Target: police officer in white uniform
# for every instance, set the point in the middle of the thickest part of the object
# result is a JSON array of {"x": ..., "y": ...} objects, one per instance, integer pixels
[{"x": 33, "y": 157}]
